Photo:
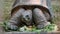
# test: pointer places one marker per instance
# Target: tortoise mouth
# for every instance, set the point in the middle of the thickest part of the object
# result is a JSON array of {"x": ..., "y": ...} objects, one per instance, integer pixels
[{"x": 26, "y": 18}]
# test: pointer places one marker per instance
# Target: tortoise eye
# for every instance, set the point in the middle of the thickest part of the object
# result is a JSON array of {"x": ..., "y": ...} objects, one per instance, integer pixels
[{"x": 27, "y": 16}]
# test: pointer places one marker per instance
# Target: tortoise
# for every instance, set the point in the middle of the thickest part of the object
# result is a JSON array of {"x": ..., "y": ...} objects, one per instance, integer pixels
[{"x": 40, "y": 12}]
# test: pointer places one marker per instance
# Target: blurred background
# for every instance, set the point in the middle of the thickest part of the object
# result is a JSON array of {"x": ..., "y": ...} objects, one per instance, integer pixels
[{"x": 6, "y": 6}]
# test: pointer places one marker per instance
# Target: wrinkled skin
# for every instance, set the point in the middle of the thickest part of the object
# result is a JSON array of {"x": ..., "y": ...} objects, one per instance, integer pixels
[
  {"x": 39, "y": 18},
  {"x": 28, "y": 17},
  {"x": 15, "y": 21},
  {"x": 19, "y": 19}
]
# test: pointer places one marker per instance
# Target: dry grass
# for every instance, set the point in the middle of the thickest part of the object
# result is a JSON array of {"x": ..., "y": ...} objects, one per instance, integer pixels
[
  {"x": 7, "y": 8},
  {"x": 56, "y": 10}
]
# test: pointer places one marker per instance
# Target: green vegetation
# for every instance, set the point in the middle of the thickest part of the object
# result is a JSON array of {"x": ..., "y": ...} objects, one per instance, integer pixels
[{"x": 49, "y": 28}]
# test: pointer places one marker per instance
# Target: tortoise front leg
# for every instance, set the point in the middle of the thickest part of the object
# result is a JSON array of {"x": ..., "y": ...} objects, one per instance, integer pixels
[
  {"x": 15, "y": 21},
  {"x": 39, "y": 18}
]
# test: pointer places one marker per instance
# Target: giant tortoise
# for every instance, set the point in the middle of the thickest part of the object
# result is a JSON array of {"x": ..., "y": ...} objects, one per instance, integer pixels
[{"x": 30, "y": 12}]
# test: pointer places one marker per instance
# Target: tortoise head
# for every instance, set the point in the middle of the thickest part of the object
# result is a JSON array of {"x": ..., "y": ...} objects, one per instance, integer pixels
[{"x": 27, "y": 16}]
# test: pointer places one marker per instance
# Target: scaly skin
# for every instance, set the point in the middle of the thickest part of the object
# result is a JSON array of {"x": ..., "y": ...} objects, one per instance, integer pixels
[
  {"x": 26, "y": 17},
  {"x": 39, "y": 18},
  {"x": 15, "y": 21}
]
